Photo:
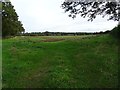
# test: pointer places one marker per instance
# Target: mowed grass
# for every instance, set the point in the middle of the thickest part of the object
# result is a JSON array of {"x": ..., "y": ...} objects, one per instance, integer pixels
[{"x": 60, "y": 62}]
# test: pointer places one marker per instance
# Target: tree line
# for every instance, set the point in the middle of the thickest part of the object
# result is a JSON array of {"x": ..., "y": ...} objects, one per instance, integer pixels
[{"x": 47, "y": 33}]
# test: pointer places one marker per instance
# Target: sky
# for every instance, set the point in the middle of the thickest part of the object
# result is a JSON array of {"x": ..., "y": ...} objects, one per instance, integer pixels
[{"x": 47, "y": 15}]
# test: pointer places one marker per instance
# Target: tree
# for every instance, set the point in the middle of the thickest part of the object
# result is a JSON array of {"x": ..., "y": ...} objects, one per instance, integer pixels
[
  {"x": 11, "y": 26},
  {"x": 115, "y": 32},
  {"x": 92, "y": 9},
  {"x": 46, "y": 33}
]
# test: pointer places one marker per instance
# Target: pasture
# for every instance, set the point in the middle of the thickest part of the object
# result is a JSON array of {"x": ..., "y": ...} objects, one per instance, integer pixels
[{"x": 60, "y": 62}]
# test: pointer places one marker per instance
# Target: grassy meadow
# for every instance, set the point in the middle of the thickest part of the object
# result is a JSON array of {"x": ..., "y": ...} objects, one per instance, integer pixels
[{"x": 60, "y": 62}]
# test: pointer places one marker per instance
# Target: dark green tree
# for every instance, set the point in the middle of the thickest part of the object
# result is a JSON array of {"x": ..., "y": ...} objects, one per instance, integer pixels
[
  {"x": 11, "y": 26},
  {"x": 116, "y": 32}
]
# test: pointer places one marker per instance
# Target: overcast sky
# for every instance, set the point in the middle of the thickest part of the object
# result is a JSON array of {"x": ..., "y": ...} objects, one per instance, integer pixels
[{"x": 47, "y": 15}]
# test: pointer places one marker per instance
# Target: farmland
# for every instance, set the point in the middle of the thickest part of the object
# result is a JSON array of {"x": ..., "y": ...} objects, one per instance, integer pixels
[{"x": 60, "y": 62}]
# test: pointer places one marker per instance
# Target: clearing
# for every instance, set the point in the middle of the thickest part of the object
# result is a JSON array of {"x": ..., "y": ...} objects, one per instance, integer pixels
[{"x": 60, "y": 62}]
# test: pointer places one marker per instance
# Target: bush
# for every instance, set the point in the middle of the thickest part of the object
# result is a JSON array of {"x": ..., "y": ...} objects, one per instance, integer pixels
[{"x": 116, "y": 32}]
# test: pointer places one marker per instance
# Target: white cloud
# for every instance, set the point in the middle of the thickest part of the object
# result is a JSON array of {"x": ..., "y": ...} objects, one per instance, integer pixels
[{"x": 47, "y": 15}]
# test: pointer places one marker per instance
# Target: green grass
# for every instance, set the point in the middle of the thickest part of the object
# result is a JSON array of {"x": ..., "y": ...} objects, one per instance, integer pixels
[{"x": 71, "y": 62}]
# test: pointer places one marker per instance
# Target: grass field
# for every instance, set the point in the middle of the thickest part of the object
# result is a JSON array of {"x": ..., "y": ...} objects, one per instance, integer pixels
[{"x": 60, "y": 62}]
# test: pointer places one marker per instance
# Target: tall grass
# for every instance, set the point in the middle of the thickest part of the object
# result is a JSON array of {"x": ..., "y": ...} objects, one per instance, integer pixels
[{"x": 73, "y": 62}]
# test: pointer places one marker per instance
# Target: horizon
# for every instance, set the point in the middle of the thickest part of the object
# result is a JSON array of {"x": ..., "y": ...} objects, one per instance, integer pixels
[{"x": 69, "y": 32}]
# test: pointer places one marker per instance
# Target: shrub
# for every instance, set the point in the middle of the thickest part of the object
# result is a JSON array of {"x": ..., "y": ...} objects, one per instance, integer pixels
[{"x": 116, "y": 32}]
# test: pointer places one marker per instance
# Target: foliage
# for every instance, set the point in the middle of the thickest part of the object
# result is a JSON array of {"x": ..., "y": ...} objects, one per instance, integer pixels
[
  {"x": 10, "y": 23},
  {"x": 116, "y": 32},
  {"x": 92, "y": 9},
  {"x": 63, "y": 33}
]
